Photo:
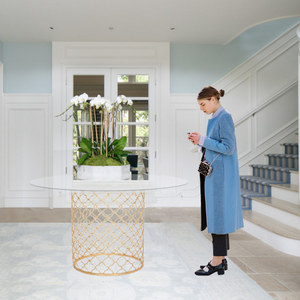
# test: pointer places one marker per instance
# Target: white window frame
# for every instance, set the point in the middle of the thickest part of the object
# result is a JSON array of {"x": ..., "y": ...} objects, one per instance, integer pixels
[
  {"x": 111, "y": 90},
  {"x": 151, "y": 108}
]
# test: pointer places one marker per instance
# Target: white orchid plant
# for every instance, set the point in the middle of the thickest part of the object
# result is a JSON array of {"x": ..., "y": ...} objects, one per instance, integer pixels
[{"x": 105, "y": 140}]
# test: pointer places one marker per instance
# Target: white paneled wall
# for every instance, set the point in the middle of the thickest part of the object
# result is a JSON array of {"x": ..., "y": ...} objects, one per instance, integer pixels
[
  {"x": 262, "y": 96},
  {"x": 279, "y": 114},
  {"x": 1, "y": 138},
  {"x": 27, "y": 150}
]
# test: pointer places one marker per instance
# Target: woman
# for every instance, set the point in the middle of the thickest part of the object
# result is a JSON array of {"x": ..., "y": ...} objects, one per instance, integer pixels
[{"x": 221, "y": 210}]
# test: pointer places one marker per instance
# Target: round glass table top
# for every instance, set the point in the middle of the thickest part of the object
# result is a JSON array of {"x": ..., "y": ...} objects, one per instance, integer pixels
[{"x": 67, "y": 183}]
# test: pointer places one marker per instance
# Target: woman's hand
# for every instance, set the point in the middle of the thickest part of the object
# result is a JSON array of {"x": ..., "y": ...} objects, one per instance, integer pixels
[{"x": 194, "y": 137}]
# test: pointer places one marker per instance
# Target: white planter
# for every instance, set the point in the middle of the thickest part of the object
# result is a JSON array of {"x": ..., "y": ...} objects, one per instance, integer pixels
[{"x": 107, "y": 173}]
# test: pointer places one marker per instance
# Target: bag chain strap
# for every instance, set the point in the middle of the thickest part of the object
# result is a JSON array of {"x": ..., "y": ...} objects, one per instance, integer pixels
[{"x": 215, "y": 159}]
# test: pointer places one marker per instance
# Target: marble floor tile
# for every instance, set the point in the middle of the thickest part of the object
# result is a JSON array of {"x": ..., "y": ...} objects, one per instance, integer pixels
[
  {"x": 274, "y": 296},
  {"x": 241, "y": 265},
  {"x": 272, "y": 264},
  {"x": 251, "y": 255},
  {"x": 291, "y": 281},
  {"x": 236, "y": 250},
  {"x": 241, "y": 235},
  {"x": 288, "y": 296},
  {"x": 269, "y": 283},
  {"x": 258, "y": 248}
]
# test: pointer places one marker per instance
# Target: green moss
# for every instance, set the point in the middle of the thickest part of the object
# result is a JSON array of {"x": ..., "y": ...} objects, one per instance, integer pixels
[{"x": 102, "y": 160}]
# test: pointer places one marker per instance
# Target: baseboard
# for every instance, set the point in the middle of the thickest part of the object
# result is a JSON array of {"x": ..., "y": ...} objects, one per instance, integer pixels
[{"x": 283, "y": 244}]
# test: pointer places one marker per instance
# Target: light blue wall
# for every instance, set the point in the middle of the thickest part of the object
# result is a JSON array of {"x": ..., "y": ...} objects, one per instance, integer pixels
[
  {"x": 195, "y": 66},
  {"x": 1, "y": 51},
  {"x": 27, "y": 68}
]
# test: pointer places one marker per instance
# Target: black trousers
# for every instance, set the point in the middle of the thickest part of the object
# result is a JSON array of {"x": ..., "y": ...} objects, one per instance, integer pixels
[
  {"x": 220, "y": 241},
  {"x": 220, "y": 244}
]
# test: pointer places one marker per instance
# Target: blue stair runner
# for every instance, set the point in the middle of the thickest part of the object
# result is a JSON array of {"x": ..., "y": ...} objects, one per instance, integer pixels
[{"x": 276, "y": 172}]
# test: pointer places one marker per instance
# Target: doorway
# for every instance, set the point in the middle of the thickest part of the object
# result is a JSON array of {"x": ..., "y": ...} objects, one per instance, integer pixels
[{"x": 136, "y": 122}]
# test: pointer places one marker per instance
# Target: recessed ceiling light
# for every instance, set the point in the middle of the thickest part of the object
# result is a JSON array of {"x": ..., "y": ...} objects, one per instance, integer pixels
[
  {"x": 51, "y": 28},
  {"x": 172, "y": 28},
  {"x": 110, "y": 28}
]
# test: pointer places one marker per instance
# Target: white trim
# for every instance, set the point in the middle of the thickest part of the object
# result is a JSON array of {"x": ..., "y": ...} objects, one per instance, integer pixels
[
  {"x": 2, "y": 142},
  {"x": 110, "y": 55},
  {"x": 272, "y": 141},
  {"x": 267, "y": 50},
  {"x": 278, "y": 242},
  {"x": 265, "y": 103},
  {"x": 256, "y": 24},
  {"x": 28, "y": 103},
  {"x": 152, "y": 104},
  {"x": 276, "y": 213},
  {"x": 298, "y": 34}
]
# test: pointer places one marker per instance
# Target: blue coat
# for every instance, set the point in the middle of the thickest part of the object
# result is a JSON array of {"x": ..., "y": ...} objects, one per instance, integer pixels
[{"x": 222, "y": 188}]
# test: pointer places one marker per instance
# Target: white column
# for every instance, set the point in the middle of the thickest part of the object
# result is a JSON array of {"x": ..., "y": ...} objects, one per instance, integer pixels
[
  {"x": 298, "y": 33},
  {"x": 1, "y": 137}
]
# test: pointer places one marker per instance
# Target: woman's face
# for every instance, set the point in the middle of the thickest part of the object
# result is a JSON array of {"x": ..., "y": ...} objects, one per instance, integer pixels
[{"x": 208, "y": 106}]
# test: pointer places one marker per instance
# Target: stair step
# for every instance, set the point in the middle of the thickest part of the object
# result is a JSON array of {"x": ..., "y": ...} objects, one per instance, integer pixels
[
  {"x": 294, "y": 177},
  {"x": 291, "y": 208},
  {"x": 278, "y": 209},
  {"x": 283, "y": 160},
  {"x": 258, "y": 184},
  {"x": 251, "y": 194},
  {"x": 286, "y": 192},
  {"x": 272, "y": 172},
  {"x": 287, "y": 186},
  {"x": 290, "y": 148},
  {"x": 272, "y": 225},
  {"x": 246, "y": 197}
]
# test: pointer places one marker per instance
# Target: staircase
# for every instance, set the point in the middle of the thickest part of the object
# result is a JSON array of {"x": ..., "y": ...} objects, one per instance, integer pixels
[{"x": 270, "y": 201}]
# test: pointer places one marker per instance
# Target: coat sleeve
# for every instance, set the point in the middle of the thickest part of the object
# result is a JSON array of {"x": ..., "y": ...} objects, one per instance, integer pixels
[{"x": 226, "y": 144}]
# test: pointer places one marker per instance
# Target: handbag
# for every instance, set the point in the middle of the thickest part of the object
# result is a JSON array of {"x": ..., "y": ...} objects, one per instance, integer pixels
[{"x": 205, "y": 168}]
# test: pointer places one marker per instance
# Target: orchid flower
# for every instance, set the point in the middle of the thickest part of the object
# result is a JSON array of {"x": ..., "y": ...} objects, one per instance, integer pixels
[
  {"x": 108, "y": 106},
  {"x": 83, "y": 97},
  {"x": 97, "y": 101},
  {"x": 123, "y": 98},
  {"x": 75, "y": 100}
]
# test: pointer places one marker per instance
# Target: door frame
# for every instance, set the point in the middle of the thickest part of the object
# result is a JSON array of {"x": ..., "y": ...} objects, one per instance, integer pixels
[
  {"x": 110, "y": 90},
  {"x": 151, "y": 106}
]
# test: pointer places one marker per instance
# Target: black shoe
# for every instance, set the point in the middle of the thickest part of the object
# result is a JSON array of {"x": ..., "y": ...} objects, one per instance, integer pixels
[
  {"x": 209, "y": 269},
  {"x": 224, "y": 262}
]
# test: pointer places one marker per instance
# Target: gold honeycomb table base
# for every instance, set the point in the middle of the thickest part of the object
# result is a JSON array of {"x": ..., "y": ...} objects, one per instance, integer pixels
[{"x": 108, "y": 232}]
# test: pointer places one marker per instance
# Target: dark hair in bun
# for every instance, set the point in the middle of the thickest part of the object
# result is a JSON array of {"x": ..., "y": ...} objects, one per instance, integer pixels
[{"x": 209, "y": 91}]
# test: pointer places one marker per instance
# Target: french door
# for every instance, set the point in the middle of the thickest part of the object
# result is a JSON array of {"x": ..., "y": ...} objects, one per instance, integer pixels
[{"x": 136, "y": 122}]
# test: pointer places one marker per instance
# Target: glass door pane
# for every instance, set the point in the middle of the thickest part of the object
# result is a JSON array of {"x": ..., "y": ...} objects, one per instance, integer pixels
[
  {"x": 134, "y": 120},
  {"x": 93, "y": 82},
  {"x": 93, "y": 85}
]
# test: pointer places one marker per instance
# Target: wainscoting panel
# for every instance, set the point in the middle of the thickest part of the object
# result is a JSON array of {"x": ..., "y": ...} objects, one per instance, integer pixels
[
  {"x": 244, "y": 146},
  {"x": 272, "y": 119},
  {"x": 28, "y": 148},
  {"x": 261, "y": 94},
  {"x": 237, "y": 97},
  {"x": 185, "y": 117},
  {"x": 277, "y": 73}
]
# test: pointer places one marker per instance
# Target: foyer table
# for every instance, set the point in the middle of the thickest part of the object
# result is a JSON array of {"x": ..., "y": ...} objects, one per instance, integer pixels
[{"x": 108, "y": 221}]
